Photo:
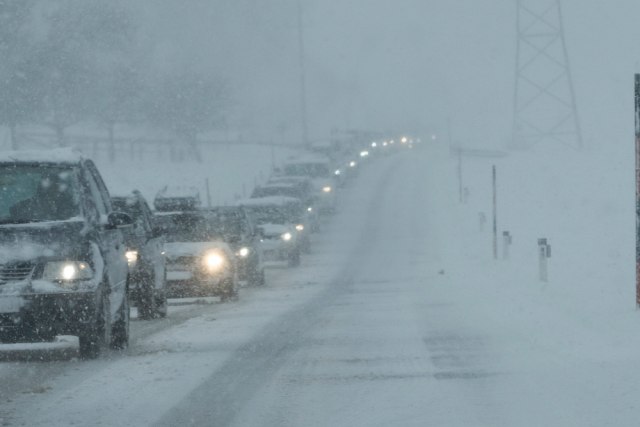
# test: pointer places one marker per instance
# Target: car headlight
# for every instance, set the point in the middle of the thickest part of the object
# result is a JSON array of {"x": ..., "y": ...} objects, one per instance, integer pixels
[
  {"x": 326, "y": 189},
  {"x": 337, "y": 172},
  {"x": 309, "y": 209},
  {"x": 67, "y": 271},
  {"x": 132, "y": 257},
  {"x": 299, "y": 227},
  {"x": 364, "y": 153},
  {"x": 352, "y": 164},
  {"x": 214, "y": 261},
  {"x": 286, "y": 236},
  {"x": 243, "y": 252}
]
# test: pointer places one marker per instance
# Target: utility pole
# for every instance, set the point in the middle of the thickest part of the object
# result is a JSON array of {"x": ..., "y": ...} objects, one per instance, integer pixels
[
  {"x": 303, "y": 84},
  {"x": 544, "y": 102}
]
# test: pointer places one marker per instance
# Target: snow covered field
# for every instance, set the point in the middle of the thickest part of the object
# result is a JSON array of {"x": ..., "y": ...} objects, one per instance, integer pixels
[{"x": 400, "y": 316}]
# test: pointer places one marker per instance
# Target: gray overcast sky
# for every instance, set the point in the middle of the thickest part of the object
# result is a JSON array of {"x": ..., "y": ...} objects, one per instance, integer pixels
[{"x": 394, "y": 64}]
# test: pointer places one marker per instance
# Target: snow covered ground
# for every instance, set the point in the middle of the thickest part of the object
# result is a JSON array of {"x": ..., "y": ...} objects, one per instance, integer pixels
[{"x": 400, "y": 316}]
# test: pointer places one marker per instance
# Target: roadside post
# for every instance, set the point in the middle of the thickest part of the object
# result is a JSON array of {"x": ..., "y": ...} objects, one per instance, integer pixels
[
  {"x": 544, "y": 253},
  {"x": 506, "y": 242},
  {"x": 495, "y": 215},
  {"x": 637, "y": 120}
]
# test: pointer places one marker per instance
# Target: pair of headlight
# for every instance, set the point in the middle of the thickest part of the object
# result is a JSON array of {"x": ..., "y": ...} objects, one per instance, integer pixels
[
  {"x": 243, "y": 252},
  {"x": 327, "y": 189},
  {"x": 67, "y": 272}
]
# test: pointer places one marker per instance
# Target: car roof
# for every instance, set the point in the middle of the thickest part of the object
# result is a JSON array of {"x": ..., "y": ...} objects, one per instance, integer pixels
[
  {"x": 66, "y": 155},
  {"x": 270, "y": 200}
]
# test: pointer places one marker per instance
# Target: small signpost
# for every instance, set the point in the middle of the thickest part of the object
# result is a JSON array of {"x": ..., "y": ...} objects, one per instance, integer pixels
[
  {"x": 544, "y": 253},
  {"x": 506, "y": 242}
]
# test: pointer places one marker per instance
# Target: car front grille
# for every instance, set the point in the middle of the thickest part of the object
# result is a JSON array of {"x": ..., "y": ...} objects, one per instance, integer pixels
[{"x": 15, "y": 272}]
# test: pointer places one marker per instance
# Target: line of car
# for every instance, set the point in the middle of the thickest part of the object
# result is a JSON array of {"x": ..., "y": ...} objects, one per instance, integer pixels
[{"x": 72, "y": 257}]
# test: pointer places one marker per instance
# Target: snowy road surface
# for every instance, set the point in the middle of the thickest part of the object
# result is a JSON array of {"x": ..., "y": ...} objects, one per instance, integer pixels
[{"x": 384, "y": 324}]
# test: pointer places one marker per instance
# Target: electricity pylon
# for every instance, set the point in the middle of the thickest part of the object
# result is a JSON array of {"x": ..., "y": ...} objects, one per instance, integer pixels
[{"x": 544, "y": 98}]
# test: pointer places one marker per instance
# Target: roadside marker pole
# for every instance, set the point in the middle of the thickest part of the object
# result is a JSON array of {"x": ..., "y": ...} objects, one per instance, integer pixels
[
  {"x": 495, "y": 215},
  {"x": 637, "y": 123}
]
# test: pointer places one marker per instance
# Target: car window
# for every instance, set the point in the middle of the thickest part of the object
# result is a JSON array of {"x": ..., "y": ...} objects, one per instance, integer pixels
[{"x": 30, "y": 193}]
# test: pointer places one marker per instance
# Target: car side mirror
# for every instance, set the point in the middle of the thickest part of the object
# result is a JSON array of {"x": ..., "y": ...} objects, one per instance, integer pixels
[{"x": 118, "y": 220}]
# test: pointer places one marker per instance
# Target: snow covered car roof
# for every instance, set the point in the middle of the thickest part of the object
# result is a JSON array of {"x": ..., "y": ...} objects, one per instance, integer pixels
[
  {"x": 266, "y": 201},
  {"x": 177, "y": 198},
  {"x": 65, "y": 155}
]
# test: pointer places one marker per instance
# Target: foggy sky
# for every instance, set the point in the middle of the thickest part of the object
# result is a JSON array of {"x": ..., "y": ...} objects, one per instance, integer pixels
[{"x": 398, "y": 64}]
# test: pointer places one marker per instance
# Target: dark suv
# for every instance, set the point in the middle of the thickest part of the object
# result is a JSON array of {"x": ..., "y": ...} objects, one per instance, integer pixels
[
  {"x": 145, "y": 255},
  {"x": 62, "y": 257}
]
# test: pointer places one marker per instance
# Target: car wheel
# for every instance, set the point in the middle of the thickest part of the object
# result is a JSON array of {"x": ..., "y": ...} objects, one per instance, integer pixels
[
  {"x": 94, "y": 340},
  {"x": 294, "y": 258},
  {"x": 259, "y": 278},
  {"x": 146, "y": 301},
  {"x": 229, "y": 290},
  {"x": 120, "y": 329}
]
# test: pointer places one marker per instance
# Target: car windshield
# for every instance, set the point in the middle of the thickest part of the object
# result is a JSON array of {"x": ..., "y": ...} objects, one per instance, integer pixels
[
  {"x": 187, "y": 227},
  {"x": 275, "y": 191},
  {"x": 34, "y": 193},
  {"x": 271, "y": 214},
  {"x": 312, "y": 170},
  {"x": 228, "y": 224}
]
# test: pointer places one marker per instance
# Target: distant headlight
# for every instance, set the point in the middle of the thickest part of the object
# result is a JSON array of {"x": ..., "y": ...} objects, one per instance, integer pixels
[
  {"x": 352, "y": 164},
  {"x": 337, "y": 172},
  {"x": 364, "y": 153},
  {"x": 214, "y": 261},
  {"x": 299, "y": 227},
  {"x": 286, "y": 236},
  {"x": 132, "y": 257},
  {"x": 243, "y": 252},
  {"x": 326, "y": 189},
  {"x": 67, "y": 271},
  {"x": 374, "y": 144},
  {"x": 309, "y": 209}
]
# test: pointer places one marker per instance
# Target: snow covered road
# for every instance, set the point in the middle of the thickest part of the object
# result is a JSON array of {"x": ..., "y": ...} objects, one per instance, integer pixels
[{"x": 398, "y": 317}]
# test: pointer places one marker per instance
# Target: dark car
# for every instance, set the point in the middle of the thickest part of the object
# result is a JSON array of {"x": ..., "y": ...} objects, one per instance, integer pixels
[
  {"x": 293, "y": 186},
  {"x": 62, "y": 255},
  {"x": 239, "y": 231},
  {"x": 199, "y": 261},
  {"x": 147, "y": 268}
]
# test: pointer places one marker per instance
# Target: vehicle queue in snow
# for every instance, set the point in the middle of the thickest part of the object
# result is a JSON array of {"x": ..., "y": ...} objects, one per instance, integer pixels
[{"x": 74, "y": 258}]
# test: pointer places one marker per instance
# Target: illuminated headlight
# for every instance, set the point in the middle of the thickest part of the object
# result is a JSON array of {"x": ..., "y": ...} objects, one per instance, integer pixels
[
  {"x": 326, "y": 189},
  {"x": 286, "y": 236},
  {"x": 404, "y": 140},
  {"x": 243, "y": 252},
  {"x": 337, "y": 172},
  {"x": 67, "y": 271},
  {"x": 352, "y": 164},
  {"x": 309, "y": 209},
  {"x": 385, "y": 143},
  {"x": 364, "y": 153},
  {"x": 132, "y": 257},
  {"x": 374, "y": 144},
  {"x": 214, "y": 261},
  {"x": 299, "y": 227}
]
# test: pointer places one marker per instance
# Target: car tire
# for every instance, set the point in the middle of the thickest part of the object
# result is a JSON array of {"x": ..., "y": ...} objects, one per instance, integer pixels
[
  {"x": 120, "y": 329},
  {"x": 294, "y": 258},
  {"x": 146, "y": 300},
  {"x": 94, "y": 341},
  {"x": 229, "y": 290}
]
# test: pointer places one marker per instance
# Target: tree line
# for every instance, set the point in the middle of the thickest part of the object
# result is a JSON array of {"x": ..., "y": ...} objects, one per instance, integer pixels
[{"x": 64, "y": 62}]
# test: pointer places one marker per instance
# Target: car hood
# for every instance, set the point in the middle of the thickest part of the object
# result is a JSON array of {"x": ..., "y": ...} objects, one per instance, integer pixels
[
  {"x": 177, "y": 249},
  {"x": 25, "y": 242}
]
